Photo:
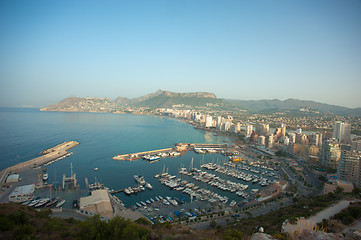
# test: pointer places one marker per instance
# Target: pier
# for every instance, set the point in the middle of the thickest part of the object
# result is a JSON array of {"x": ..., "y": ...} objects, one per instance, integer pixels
[
  {"x": 135, "y": 156},
  {"x": 48, "y": 155},
  {"x": 179, "y": 147}
]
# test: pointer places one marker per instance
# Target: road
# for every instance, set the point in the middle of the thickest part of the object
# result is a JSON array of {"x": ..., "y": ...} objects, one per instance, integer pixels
[
  {"x": 301, "y": 188},
  {"x": 312, "y": 221},
  {"x": 257, "y": 211}
]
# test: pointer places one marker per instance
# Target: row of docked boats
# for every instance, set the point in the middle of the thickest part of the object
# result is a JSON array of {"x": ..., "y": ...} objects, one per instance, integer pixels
[
  {"x": 152, "y": 158},
  {"x": 213, "y": 180},
  {"x": 236, "y": 173},
  {"x": 58, "y": 159},
  {"x": 190, "y": 188},
  {"x": 45, "y": 202},
  {"x": 203, "y": 151},
  {"x": 132, "y": 190},
  {"x": 166, "y": 201},
  {"x": 142, "y": 184},
  {"x": 141, "y": 181}
]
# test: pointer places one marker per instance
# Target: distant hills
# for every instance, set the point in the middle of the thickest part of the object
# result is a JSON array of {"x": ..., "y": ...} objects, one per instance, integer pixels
[
  {"x": 166, "y": 99},
  {"x": 293, "y": 104}
]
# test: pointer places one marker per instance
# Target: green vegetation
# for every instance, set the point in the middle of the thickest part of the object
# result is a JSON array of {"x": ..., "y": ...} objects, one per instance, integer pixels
[
  {"x": 21, "y": 222},
  {"x": 350, "y": 214}
]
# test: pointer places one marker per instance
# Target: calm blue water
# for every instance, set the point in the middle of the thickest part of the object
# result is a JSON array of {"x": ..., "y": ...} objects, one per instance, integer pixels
[{"x": 24, "y": 133}]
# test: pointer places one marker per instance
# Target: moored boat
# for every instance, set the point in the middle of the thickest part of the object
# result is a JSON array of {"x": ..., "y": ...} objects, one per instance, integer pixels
[{"x": 61, "y": 203}]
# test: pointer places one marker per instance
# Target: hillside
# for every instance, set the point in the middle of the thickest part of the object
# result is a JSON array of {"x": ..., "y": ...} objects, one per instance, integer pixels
[
  {"x": 257, "y": 106},
  {"x": 166, "y": 99},
  {"x": 153, "y": 100}
]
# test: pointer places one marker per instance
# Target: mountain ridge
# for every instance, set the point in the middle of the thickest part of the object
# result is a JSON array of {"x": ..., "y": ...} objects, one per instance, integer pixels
[{"x": 165, "y": 99}]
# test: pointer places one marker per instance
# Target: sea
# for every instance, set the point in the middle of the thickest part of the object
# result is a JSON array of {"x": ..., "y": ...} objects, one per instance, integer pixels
[{"x": 25, "y": 132}]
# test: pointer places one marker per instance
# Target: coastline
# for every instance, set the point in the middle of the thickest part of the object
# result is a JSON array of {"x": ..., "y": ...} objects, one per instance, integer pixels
[{"x": 30, "y": 171}]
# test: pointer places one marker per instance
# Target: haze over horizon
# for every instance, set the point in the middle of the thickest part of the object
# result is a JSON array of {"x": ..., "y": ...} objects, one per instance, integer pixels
[{"x": 243, "y": 50}]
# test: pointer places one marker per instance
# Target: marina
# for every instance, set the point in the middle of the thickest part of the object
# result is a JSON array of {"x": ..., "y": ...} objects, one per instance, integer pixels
[
  {"x": 147, "y": 154},
  {"x": 158, "y": 201},
  {"x": 154, "y": 155}
]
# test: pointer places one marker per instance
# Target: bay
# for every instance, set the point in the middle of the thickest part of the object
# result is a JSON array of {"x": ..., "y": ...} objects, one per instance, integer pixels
[{"x": 26, "y": 132}]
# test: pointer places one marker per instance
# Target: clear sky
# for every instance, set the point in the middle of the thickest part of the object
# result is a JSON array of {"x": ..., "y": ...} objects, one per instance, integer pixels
[{"x": 255, "y": 49}]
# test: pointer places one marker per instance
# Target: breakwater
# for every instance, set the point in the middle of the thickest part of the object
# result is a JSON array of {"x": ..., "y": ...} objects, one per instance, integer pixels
[
  {"x": 179, "y": 147},
  {"x": 48, "y": 155},
  {"x": 135, "y": 156}
]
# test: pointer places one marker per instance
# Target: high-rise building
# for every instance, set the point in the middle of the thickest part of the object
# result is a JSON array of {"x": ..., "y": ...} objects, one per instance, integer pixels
[
  {"x": 316, "y": 139},
  {"x": 342, "y": 132},
  {"x": 270, "y": 141},
  {"x": 254, "y": 137},
  {"x": 226, "y": 126},
  {"x": 286, "y": 141},
  {"x": 249, "y": 130},
  {"x": 331, "y": 153},
  {"x": 349, "y": 167},
  {"x": 283, "y": 131},
  {"x": 356, "y": 145},
  {"x": 219, "y": 122},
  {"x": 237, "y": 127},
  {"x": 209, "y": 121},
  {"x": 301, "y": 139},
  {"x": 263, "y": 129},
  {"x": 292, "y": 137},
  {"x": 262, "y": 140}
]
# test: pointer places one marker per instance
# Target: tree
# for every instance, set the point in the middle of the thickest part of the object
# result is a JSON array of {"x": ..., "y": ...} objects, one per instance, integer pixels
[
  {"x": 339, "y": 189},
  {"x": 356, "y": 191},
  {"x": 233, "y": 234},
  {"x": 213, "y": 224}
]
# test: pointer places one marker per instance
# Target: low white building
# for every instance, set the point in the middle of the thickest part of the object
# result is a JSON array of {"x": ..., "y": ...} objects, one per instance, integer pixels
[
  {"x": 98, "y": 202},
  {"x": 22, "y": 193},
  {"x": 13, "y": 178}
]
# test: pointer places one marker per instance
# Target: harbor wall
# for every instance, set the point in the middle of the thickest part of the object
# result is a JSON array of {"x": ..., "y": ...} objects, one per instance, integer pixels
[{"x": 50, "y": 154}]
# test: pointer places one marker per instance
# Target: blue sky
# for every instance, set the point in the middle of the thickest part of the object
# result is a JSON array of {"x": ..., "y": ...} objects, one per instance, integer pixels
[{"x": 309, "y": 50}]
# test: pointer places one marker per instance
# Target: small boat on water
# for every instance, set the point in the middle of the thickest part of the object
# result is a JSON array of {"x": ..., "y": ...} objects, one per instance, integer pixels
[
  {"x": 165, "y": 202},
  {"x": 157, "y": 198},
  {"x": 153, "y": 158},
  {"x": 34, "y": 202},
  {"x": 138, "y": 204},
  {"x": 172, "y": 201},
  {"x": 148, "y": 202},
  {"x": 61, "y": 203},
  {"x": 143, "y": 203},
  {"x": 147, "y": 185},
  {"x": 52, "y": 202},
  {"x": 96, "y": 169},
  {"x": 152, "y": 200},
  {"x": 139, "y": 179},
  {"x": 45, "y": 175},
  {"x": 42, "y": 202}
]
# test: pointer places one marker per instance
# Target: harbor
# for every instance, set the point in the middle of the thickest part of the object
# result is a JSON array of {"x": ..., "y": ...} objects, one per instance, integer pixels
[
  {"x": 218, "y": 177},
  {"x": 32, "y": 175},
  {"x": 176, "y": 188},
  {"x": 173, "y": 152},
  {"x": 49, "y": 155}
]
